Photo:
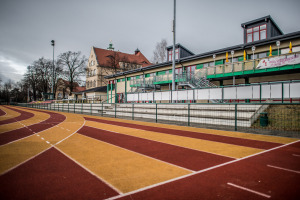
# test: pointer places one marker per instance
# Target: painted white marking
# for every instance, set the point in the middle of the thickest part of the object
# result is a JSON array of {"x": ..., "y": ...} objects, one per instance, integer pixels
[
  {"x": 296, "y": 155},
  {"x": 198, "y": 172},
  {"x": 249, "y": 190},
  {"x": 24, "y": 161},
  {"x": 31, "y": 135},
  {"x": 47, "y": 142},
  {"x": 68, "y": 130},
  {"x": 38, "y": 135},
  {"x": 107, "y": 183},
  {"x": 71, "y": 134},
  {"x": 42, "y": 138},
  {"x": 30, "y": 129},
  {"x": 285, "y": 169}
]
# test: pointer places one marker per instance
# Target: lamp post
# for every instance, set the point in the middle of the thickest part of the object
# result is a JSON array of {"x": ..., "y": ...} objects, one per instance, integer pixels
[
  {"x": 52, "y": 91},
  {"x": 174, "y": 40},
  {"x": 278, "y": 44},
  {"x": 29, "y": 67}
]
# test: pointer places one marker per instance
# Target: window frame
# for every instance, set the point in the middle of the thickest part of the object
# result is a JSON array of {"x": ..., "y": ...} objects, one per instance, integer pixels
[{"x": 250, "y": 31}]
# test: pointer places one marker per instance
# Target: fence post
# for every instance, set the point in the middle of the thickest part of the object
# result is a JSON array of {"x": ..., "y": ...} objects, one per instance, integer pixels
[
  {"x": 235, "y": 117},
  {"x": 260, "y": 93},
  {"x": 115, "y": 110},
  {"x": 91, "y": 109},
  {"x": 74, "y": 107},
  {"x": 102, "y": 109},
  {"x": 156, "y": 112},
  {"x": 282, "y": 93},
  {"x": 68, "y": 107},
  {"x": 81, "y": 107},
  {"x": 132, "y": 111},
  {"x": 189, "y": 112}
]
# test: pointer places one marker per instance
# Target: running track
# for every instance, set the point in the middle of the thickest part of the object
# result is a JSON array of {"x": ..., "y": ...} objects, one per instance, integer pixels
[{"x": 70, "y": 156}]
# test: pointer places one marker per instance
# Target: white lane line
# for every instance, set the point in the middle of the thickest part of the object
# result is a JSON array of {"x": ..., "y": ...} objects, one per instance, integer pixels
[
  {"x": 285, "y": 169},
  {"x": 198, "y": 172},
  {"x": 67, "y": 129},
  {"x": 38, "y": 135},
  {"x": 47, "y": 142},
  {"x": 89, "y": 171},
  {"x": 249, "y": 190},
  {"x": 296, "y": 155},
  {"x": 25, "y": 161},
  {"x": 34, "y": 133},
  {"x": 71, "y": 134},
  {"x": 42, "y": 138}
]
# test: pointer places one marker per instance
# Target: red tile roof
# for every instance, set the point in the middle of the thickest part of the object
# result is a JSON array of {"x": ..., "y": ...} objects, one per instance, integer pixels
[
  {"x": 79, "y": 89},
  {"x": 103, "y": 59}
]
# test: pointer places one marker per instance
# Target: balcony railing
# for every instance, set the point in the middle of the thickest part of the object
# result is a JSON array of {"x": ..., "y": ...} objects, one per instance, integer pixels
[{"x": 228, "y": 69}]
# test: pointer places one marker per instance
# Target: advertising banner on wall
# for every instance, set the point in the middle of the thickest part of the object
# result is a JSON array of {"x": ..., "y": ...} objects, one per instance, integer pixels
[{"x": 279, "y": 61}]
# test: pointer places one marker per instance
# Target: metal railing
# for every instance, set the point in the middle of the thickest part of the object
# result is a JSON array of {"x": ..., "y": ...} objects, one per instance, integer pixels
[
  {"x": 198, "y": 79},
  {"x": 268, "y": 118}
]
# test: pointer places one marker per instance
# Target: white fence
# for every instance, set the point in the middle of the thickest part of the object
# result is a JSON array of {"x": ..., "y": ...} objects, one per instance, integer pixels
[{"x": 283, "y": 90}]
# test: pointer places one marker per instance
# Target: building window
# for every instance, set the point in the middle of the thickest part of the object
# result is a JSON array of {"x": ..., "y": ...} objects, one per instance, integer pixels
[
  {"x": 94, "y": 83},
  {"x": 87, "y": 84},
  {"x": 94, "y": 72},
  {"x": 257, "y": 33},
  {"x": 262, "y": 55},
  {"x": 178, "y": 71},
  {"x": 176, "y": 53},
  {"x": 170, "y": 55}
]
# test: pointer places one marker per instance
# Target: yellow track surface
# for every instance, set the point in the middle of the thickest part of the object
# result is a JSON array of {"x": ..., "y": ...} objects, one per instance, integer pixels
[
  {"x": 123, "y": 169},
  {"x": 9, "y": 113},
  {"x": 38, "y": 117},
  {"x": 267, "y": 138}
]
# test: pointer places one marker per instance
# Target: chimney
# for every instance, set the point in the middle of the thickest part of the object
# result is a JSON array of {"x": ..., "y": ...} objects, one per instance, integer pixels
[{"x": 136, "y": 51}]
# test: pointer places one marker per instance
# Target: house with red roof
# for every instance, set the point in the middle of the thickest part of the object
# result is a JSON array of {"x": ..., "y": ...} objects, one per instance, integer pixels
[
  {"x": 104, "y": 62},
  {"x": 63, "y": 90}
]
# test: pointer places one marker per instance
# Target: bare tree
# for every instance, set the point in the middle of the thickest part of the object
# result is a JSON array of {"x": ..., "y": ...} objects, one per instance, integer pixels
[
  {"x": 160, "y": 54},
  {"x": 73, "y": 66},
  {"x": 43, "y": 72}
]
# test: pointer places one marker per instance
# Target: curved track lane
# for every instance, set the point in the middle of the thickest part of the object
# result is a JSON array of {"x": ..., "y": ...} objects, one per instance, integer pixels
[
  {"x": 10, "y": 136},
  {"x": 203, "y": 136},
  {"x": 187, "y": 158},
  {"x": 24, "y": 115},
  {"x": 2, "y": 112}
]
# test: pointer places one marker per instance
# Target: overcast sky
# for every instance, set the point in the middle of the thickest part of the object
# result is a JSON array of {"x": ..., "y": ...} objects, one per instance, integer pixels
[{"x": 28, "y": 26}]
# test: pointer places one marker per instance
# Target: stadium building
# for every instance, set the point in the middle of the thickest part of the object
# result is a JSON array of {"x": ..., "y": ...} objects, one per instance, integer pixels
[{"x": 265, "y": 67}]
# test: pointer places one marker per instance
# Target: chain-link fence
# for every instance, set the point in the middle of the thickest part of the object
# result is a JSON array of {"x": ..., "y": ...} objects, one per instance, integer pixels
[{"x": 267, "y": 118}]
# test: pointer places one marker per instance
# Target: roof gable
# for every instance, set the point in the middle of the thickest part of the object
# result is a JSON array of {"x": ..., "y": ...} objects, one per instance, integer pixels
[{"x": 104, "y": 56}]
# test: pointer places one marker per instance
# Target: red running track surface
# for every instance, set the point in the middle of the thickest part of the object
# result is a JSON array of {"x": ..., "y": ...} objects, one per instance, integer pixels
[
  {"x": 52, "y": 175},
  {"x": 187, "y": 158},
  {"x": 252, "y": 173},
  {"x": 10, "y": 136},
  {"x": 24, "y": 115},
  {"x": 204, "y": 136}
]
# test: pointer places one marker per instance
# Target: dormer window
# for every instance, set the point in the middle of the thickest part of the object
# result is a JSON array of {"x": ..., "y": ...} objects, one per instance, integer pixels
[
  {"x": 170, "y": 54},
  {"x": 257, "y": 33}
]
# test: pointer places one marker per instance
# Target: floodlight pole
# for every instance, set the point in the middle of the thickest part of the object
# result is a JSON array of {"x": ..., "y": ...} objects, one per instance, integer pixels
[
  {"x": 173, "y": 59},
  {"x": 53, "y": 44}
]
